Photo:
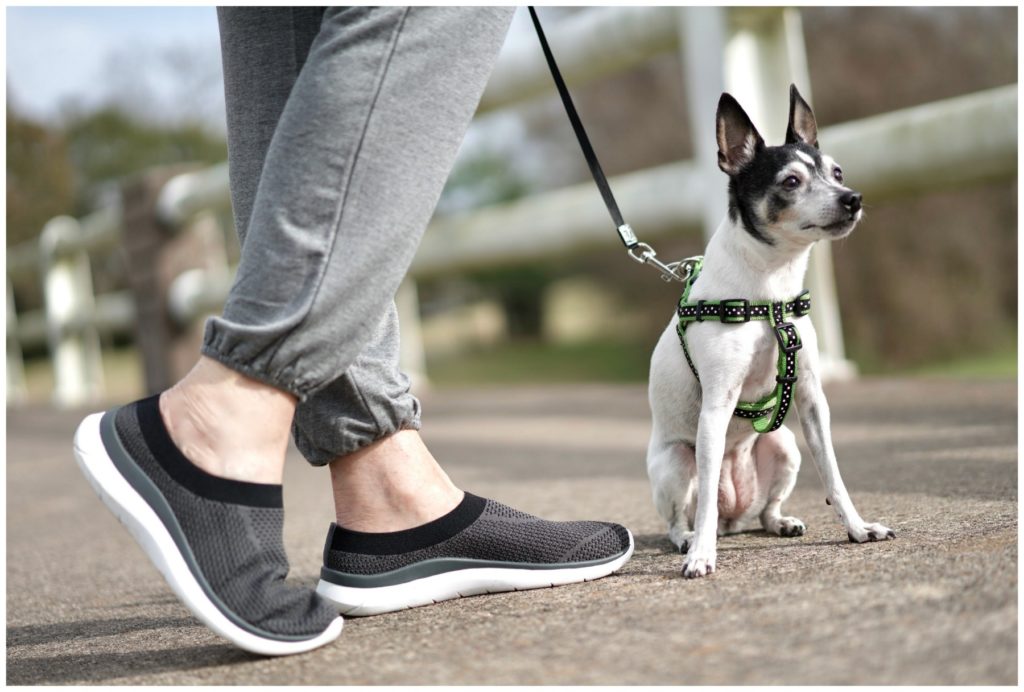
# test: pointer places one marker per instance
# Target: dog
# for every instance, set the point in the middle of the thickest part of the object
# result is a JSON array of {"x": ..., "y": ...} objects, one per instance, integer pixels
[{"x": 711, "y": 472}]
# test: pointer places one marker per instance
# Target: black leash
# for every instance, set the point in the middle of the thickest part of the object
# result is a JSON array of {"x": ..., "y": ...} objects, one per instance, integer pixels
[
  {"x": 639, "y": 252},
  {"x": 629, "y": 239}
]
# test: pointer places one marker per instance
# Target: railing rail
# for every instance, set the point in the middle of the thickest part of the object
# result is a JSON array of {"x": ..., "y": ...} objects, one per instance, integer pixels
[{"x": 888, "y": 156}]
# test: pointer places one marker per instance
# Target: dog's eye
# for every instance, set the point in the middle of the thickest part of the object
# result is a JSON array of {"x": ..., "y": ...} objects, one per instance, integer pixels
[
  {"x": 838, "y": 174},
  {"x": 791, "y": 183}
]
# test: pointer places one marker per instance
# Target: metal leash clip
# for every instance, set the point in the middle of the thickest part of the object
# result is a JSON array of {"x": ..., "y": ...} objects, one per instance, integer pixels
[{"x": 645, "y": 254}]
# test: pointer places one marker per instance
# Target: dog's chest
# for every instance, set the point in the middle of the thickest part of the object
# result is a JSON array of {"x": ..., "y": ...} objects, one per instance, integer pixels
[{"x": 762, "y": 366}]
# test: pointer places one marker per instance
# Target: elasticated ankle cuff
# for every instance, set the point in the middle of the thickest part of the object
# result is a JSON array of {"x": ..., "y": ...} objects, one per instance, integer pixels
[
  {"x": 417, "y": 538},
  {"x": 158, "y": 439}
]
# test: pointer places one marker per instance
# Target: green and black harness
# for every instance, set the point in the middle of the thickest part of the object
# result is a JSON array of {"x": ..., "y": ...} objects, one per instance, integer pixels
[{"x": 769, "y": 413}]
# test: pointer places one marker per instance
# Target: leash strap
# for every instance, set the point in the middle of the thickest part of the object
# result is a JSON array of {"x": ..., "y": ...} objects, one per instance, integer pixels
[
  {"x": 629, "y": 238},
  {"x": 768, "y": 413}
]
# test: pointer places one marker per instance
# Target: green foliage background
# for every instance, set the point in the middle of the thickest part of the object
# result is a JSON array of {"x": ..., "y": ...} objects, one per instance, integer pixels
[{"x": 61, "y": 169}]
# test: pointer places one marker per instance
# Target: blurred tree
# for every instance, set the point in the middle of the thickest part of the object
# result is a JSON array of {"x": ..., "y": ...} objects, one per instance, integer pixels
[
  {"x": 53, "y": 171},
  {"x": 40, "y": 179},
  {"x": 108, "y": 144}
]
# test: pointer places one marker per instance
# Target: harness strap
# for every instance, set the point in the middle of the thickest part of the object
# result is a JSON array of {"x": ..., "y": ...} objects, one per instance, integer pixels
[{"x": 768, "y": 413}]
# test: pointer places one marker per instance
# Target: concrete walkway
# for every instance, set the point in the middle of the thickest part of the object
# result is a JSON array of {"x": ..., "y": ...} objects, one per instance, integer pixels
[{"x": 936, "y": 461}]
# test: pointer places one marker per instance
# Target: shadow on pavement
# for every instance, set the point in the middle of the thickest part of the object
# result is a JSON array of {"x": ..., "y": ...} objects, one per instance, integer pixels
[
  {"x": 655, "y": 542},
  {"x": 100, "y": 667},
  {"x": 30, "y": 635}
]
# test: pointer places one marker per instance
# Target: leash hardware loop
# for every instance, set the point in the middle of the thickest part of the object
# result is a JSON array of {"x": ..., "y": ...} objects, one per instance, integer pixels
[{"x": 642, "y": 253}]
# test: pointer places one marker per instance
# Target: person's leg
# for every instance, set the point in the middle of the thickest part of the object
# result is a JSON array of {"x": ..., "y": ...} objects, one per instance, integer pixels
[
  {"x": 364, "y": 420},
  {"x": 262, "y": 51},
  {"x": 195, "y": 473},
  {"x": 352, "y": 174},
  {"x": 336, "y": 221},
  {"x": 395, "y": 139},
  {"x": 405, "y": 534},
  {"x": 370, "y": 402}
]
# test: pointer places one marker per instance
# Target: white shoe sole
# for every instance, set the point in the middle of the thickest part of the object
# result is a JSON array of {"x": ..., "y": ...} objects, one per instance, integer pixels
[
  {"x": 149, "y": 531},
  {"x": 358, "y": 602}
]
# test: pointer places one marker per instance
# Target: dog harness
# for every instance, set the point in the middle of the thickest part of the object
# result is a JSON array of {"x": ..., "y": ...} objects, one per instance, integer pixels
[{"x": 769, "y": 413}]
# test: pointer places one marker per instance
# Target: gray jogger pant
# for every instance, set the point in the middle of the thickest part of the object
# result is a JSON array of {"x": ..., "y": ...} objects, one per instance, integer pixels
[{"x": 343, "y": 124}]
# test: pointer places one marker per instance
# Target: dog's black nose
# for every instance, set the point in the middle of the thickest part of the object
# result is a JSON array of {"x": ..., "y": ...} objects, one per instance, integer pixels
[{"x": 851, "y": 200}]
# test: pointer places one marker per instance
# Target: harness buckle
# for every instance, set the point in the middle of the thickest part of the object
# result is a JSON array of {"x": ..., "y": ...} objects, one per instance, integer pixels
[
  {"x": 789, "y": 341},
  {"x": 734, "y": 304},
  {"x": 802, "y": 304}
]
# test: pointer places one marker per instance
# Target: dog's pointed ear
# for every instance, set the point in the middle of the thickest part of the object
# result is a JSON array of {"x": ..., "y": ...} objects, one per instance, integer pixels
[
  {"x": 802, "y": 125},
  {"x": 738, "y": 139}
]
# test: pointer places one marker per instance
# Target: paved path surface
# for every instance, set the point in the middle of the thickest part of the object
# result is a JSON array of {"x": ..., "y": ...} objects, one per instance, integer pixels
[{"x": 934, "y": 460}]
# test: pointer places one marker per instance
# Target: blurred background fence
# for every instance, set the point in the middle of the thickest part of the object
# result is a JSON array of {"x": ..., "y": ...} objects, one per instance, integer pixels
[{"x": 522, "y": 254}]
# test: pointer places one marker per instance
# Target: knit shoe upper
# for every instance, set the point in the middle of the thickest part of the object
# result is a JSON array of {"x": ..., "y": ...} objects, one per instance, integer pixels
[
  {"x": 492, "y": 532},
  {"x": 234, "y": 537}
]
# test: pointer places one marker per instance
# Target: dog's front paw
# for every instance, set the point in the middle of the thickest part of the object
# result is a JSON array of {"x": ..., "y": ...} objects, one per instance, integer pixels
[
  {"x": 865, "y": 533},
  {"x": 698, "y": 565}
]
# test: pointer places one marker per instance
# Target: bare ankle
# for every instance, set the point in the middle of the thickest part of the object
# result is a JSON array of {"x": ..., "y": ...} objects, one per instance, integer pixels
[
  {"x": 228, "y": 424},
  {"x": 391, "y": 485}
]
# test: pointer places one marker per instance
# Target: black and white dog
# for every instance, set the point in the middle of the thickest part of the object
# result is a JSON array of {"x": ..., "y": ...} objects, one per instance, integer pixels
[{"x": 711, "y": 473}]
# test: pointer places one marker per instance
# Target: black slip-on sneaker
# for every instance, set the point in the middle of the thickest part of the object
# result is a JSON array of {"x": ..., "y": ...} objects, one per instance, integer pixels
[
  {"x": 481, "y": 546},
  {"x": 217, "y": 542}
]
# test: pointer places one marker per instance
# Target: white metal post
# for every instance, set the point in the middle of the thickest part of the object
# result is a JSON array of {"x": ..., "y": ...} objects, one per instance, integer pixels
[
  {"x": 765, "y": 53},
  {"x": 702, "y": 39},
  {"x": 67, "y": 290}
]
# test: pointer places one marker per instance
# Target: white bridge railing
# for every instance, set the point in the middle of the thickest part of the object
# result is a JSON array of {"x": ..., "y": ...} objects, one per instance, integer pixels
[{"x": 961, "y": 141}]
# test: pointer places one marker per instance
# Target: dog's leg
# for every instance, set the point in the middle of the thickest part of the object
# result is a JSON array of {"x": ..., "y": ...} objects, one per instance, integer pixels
[
  {"x": 816, "y": 422},
  {"x": 778, "y": 460},
  {"x": 714, "y": 423},
  {"x": 671, "y": 468}
]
